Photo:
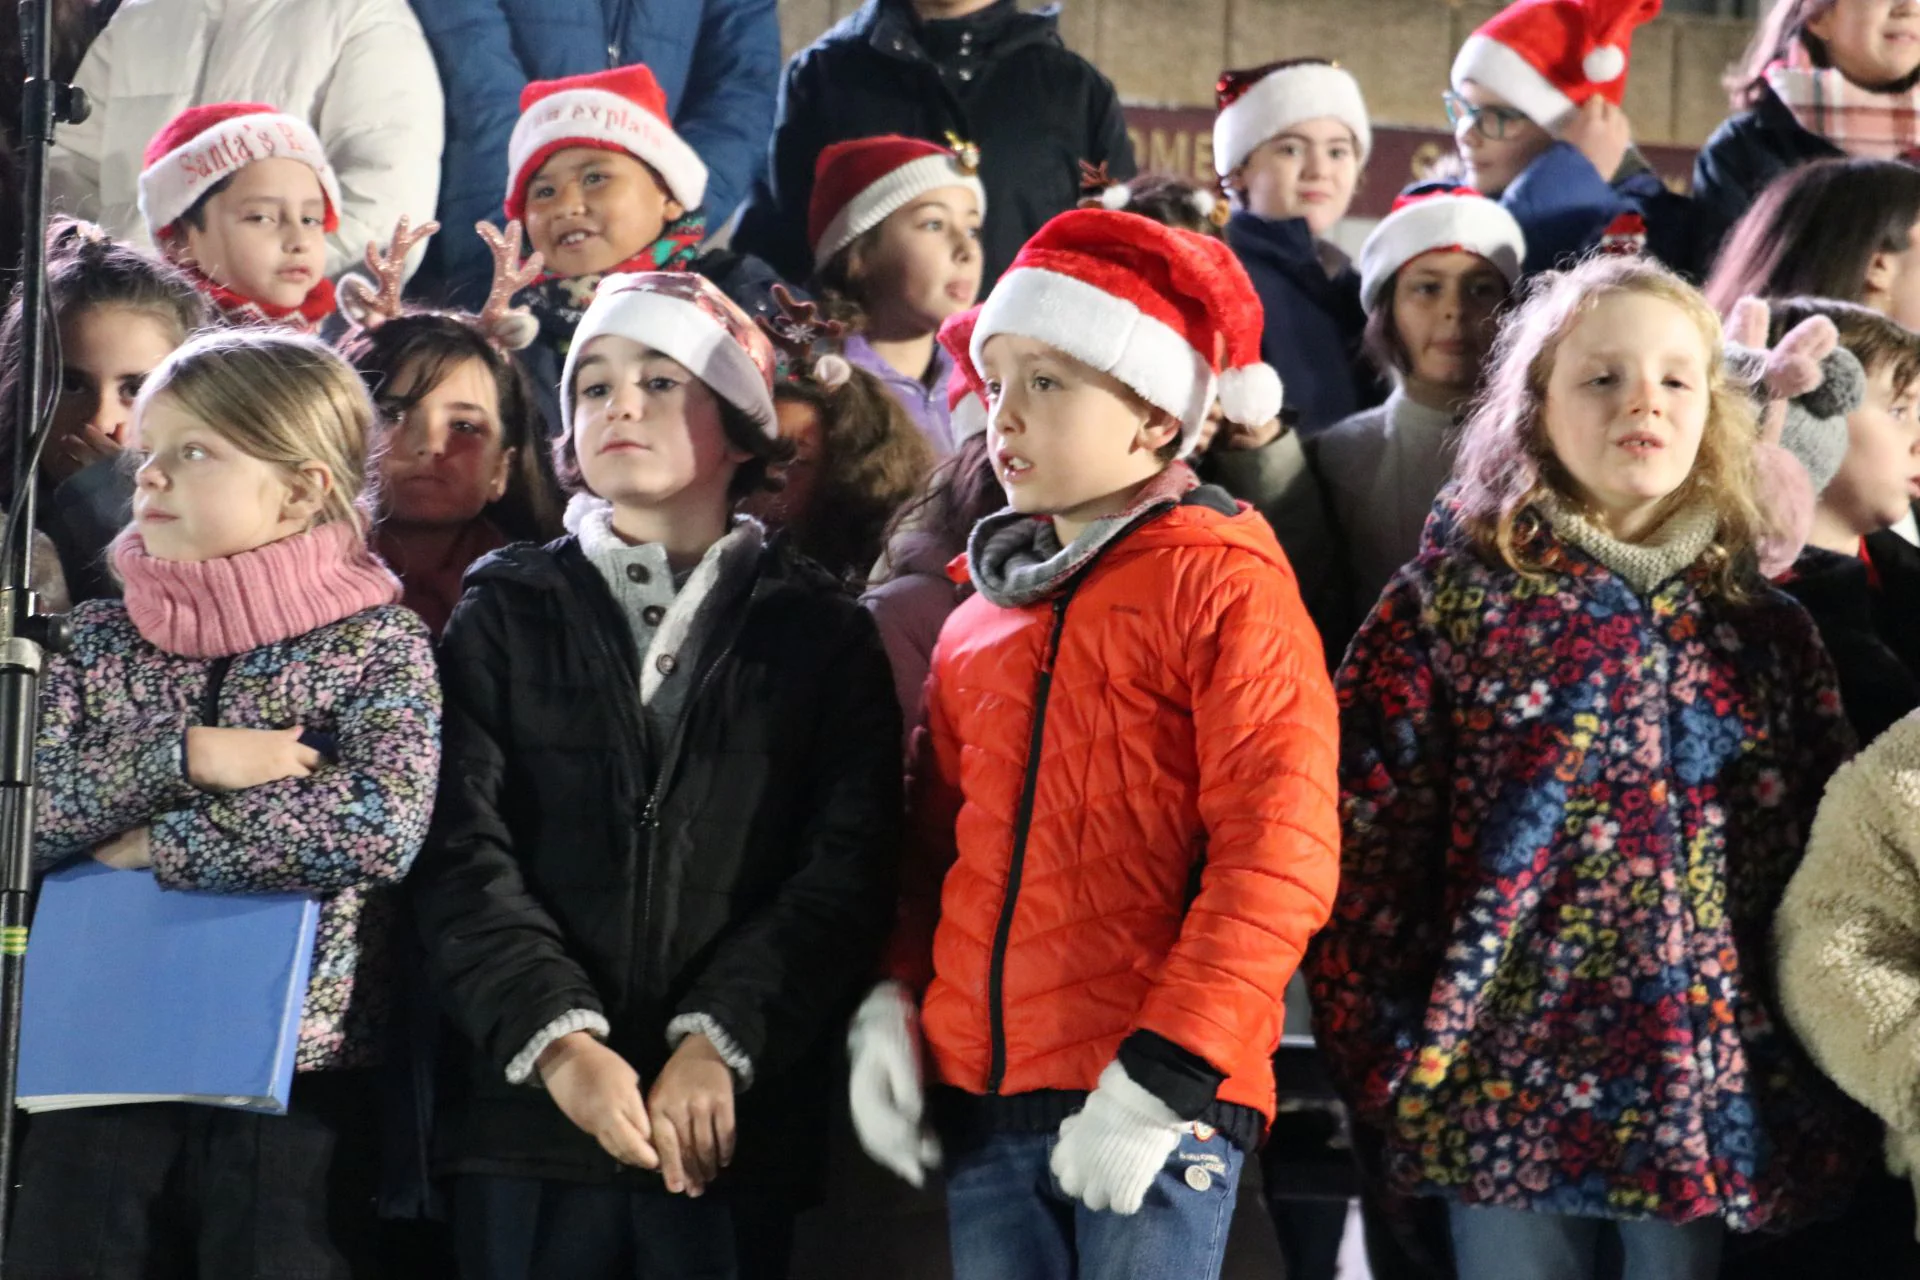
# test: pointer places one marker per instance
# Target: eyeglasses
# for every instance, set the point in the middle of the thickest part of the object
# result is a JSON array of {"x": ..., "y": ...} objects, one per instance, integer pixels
[{"x": 1492, "y": 122}]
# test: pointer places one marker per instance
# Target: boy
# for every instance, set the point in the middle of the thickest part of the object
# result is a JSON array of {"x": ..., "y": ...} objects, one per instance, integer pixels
[
  {"x": 242, "y": 197},
  {"x": 1865, "y": 620},
  {"x": 1535, "y": 107},
  {"x": 1144, "y": 832},
  {"x": 604, "y": 185}
]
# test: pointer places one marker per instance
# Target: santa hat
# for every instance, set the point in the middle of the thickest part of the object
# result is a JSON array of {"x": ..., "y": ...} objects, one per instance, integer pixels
[
  {"x": 203, "y": 146},
  {"x": 1435, "y": 217},
  {"x": 1169, "y": 313},
  {"x": 966, "y": 393},
  {"x": 857, "y": 183},
  {"x": 1267, "y": 101},
  {"x": 619, "y": 110},
  {"x": 1548, "y": 57},
  {"x": 686, "y": 318}
]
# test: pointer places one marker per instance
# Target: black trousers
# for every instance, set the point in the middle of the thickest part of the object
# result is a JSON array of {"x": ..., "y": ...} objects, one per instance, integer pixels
[
  {"x": 543, "y": 1229},
  {"x": 177, "y": 1192}
]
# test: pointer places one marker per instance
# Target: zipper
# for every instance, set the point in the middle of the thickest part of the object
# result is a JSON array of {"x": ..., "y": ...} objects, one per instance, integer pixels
[{"x": 210, "y": 696}]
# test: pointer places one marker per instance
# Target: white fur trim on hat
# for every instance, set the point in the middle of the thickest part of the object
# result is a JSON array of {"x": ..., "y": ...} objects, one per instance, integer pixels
[
  {"x": 1309, "y": 91},
  {"x": 170, "y": 186},
  {"x": 968, "y": 419},
  {"x": 595, "y": 115},
  {"x": 1107, "y": 332},
  {"x": 680, "y": 331},
  {"x": 1472, "y": 224},
  {"x": 893, "y": 192},
  {"x": 1496, "y": 66}
]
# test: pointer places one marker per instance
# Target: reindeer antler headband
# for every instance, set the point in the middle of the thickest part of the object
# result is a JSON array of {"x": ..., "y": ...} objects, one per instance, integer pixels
[
  {"x": 795, "y": 331},
  {"x": 369, "y": 304}
]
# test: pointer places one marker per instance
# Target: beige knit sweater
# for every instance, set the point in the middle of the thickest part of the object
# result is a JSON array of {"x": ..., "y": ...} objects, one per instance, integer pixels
[{"x": 1847, "y": 938}]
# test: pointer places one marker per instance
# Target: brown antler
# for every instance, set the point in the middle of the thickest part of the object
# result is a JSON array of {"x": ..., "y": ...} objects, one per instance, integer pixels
[
  {"x": 1094, "y": 178},
  {"x": 370, "y": 307},
  {"x": 511, "y": 326},
  {"x": 798, "y": 325}
]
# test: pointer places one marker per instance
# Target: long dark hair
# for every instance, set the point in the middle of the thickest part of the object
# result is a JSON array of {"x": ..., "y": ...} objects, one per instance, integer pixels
[
  {"x": 87, "y": 268},
  {"x": 421, "y": 349},
  {"x": 1815, "y": 230},
  {"x": 961, "y": 492}
]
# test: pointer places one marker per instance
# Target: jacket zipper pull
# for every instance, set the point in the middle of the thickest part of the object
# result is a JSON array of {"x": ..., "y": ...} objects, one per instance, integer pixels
[{"x": 1053, "y": 639}]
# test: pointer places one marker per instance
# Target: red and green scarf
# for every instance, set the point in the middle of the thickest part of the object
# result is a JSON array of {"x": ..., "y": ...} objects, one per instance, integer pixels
[{"x": 559, "y": 301}]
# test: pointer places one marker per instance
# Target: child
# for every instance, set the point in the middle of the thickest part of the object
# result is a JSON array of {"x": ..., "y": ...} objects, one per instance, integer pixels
[
  {"x": 179, "y": 733},
  {"x": 1169, "y": 201},
  {"x": 464, "y": 468},
  {"x": 1143, "y": 834},
  {"x": 895, "y": 228},
  {"x": 660, "y": 856},
  {"x": 1821, "y": 79},
  {"x": 605, "y": 186},
  {"x": 1434, "y": 275},
  {"x": 1535, "y": 107},
  {"x": 1870, "y": 490},
  {"x": 1289, "y": 143},
  {"x": 118, "y": 314},
  {"x": 241, "y": 197},
  {"x": 1581, "y": 745}
]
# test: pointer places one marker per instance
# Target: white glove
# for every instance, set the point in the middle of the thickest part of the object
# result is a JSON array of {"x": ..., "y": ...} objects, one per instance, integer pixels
[
  {"x": 1110, "y": 1151},
  {"x": 884, "y": 1089}
]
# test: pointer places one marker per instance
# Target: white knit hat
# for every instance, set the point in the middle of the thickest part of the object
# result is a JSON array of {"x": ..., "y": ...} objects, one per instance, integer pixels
[
  {"x": 1265, "y": 102},
  {"x": 1434, "y": 217}
]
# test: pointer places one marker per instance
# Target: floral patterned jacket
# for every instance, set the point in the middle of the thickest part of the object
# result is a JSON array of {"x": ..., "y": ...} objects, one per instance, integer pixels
[
  {"x": 1569, "y": 814},
  {"x": 111, "y": 757}
]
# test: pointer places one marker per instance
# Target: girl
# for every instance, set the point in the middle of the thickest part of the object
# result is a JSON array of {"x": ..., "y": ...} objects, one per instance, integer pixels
[
  {"x": 1169, "y": 201},
  {"x": 179, "y": 734},
  {"x": 1821, "y": 79},
  {"x": 1581, "y": 745},
  {"x": 117, "y": 314},
  {"x": 895, "y": 228},
  {"x": 659, "y": 864},
  {"x": 1434, "y": 275},
  {"x": 1289, "y": 144}
]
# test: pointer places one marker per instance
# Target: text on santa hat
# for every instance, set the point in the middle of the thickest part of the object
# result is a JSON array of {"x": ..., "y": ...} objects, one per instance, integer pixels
[{"x": 242, "y": 146}]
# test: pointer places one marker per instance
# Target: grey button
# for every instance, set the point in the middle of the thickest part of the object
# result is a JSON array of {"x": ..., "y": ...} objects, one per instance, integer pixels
[
  {"x": 639, "y": 573},
  {"x": 652, "y": 614},
  {"x": 665, "y": 663},
  {"x": 966, "y": 75}
]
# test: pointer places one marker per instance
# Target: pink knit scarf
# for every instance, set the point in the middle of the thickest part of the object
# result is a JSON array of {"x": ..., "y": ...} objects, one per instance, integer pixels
[{"x": 218, "y": 608}]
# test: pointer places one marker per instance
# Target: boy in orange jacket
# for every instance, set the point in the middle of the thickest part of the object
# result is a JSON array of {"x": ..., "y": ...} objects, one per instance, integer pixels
[{"x": 1125, "y": 804}]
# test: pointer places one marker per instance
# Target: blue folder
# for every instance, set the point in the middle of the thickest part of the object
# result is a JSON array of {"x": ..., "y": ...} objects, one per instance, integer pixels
[{"x": 139, "y": 994}]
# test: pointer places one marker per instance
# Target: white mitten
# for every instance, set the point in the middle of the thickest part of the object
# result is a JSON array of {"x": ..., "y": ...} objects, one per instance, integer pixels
[
  {"x": 1110, "y": 1152},
  {"x": 885, "y": 1091}
]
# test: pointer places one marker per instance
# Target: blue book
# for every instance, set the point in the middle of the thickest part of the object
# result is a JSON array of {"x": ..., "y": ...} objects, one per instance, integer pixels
[{"x": 139, "y": 994}]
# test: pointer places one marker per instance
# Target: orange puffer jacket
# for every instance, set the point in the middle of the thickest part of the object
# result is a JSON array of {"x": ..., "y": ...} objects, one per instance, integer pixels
[{"x": 1163, "y": 866}]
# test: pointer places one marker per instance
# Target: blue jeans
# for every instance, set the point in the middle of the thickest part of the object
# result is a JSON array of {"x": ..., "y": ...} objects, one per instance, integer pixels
[
  {"x": 1011, "y": 1221},
  {"x": 1513, "y": 1244}
]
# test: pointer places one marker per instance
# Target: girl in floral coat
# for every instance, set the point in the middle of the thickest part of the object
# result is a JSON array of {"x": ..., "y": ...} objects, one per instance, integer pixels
[{"x": 1581, "y": 744}]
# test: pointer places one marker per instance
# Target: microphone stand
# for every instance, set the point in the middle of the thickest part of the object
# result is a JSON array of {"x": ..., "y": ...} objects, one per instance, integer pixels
[{"x": 26, "y": 634}]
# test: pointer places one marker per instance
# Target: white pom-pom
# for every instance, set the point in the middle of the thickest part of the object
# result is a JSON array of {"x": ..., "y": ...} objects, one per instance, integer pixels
[
  {"x": 1116, "y": 197},
  {"x": 1250, "y": 394},
  {"x": 1605, "y": 64}
]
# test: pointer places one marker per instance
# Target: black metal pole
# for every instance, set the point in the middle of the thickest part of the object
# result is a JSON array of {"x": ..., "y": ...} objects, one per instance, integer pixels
[{"x": 25, "y": 634}]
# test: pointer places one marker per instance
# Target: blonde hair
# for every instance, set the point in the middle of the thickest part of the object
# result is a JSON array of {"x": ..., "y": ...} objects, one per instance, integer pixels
[
  {"x": 1506, "y": 464},
  {"x": 285, "y": 398}
]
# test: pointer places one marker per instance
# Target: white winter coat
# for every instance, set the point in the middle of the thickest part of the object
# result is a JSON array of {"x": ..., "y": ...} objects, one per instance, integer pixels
[{"x": 358, "y": 71}]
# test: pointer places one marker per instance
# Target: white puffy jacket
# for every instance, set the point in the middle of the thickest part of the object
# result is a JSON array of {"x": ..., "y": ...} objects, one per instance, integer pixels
[{"x": 359, "y": 71}]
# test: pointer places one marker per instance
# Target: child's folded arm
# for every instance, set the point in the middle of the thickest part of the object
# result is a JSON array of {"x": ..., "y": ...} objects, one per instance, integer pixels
[
  {"x": 782, "y": 977},
  {"x": 1563, "y": 204},
  {"x": 1264, "y": 725},
  {"x": 358, "y": 821}
]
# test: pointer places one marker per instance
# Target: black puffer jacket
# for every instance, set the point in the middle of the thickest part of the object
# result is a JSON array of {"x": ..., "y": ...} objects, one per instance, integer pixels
[
  {"x": 1748, "y": 151},
  {"x": 1876, "y": 684},
  {"x": 748, "y": 873},
  {"x": 999, "y": 78}
]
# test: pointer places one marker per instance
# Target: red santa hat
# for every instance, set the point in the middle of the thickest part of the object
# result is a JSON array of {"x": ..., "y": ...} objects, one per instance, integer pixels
[
  {"x": 1433, "y": 218},
  {"x": 1265, "y": 102},
  {"x": 1547, "y": 57},
  {"x": 857, "y": 183},
  {"x": 966, "y": 393},
  {"x": 623, "y": 109},
  {"x": 1169, "y": 313},
  {"x": 203, "y": 146}
]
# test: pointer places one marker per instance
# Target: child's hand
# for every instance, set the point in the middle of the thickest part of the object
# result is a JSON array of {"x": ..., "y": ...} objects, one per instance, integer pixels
[
  {"x": 128, "y": 851},
  {"x": 1235, "y": 436},
  {"x": 596, "y": 1089},
  {"x": 1601, "y": 133},
  {"x": 79, "y": 449},
  {"x": 235, "y": 759},
  {"x": 692, "y": 1099}
]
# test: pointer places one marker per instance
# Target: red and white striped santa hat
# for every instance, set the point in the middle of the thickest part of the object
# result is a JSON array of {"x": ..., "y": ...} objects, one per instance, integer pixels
[
  {"x": 623, "y": 109},
  {"x": 203, "y": 146},
  {"x": 857, "y": 183},
  {"x": 1548, "y": 57},
  {"x": 1169, "y": 313},
  {"x": 966, "y": 392},
  {"x": 1435, "y": 217}
]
